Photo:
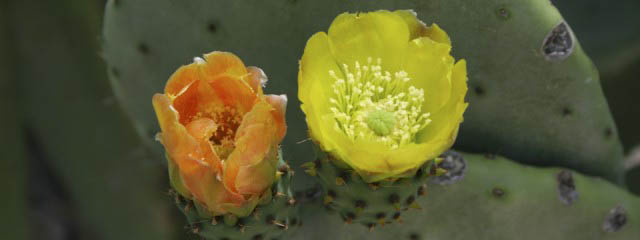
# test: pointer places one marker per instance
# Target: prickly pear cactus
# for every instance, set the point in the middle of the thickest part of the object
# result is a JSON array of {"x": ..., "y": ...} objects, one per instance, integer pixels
[
  {"x": 274, "y": 218},
  {"x": 618, "y": 63},
  {"x": 535, "y": 96},
  {"x": 506, "y": 115},
  {"x": 491, "y": 197},
  {"x": 369, "y": 204}
]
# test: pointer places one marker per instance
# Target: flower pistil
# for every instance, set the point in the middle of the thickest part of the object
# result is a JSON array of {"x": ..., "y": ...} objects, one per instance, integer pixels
[{"x": 375, "y": 104}]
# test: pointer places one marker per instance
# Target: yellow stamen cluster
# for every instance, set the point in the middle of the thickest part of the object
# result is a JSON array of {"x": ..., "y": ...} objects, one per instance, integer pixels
[
  {"x": 376, "y": 104},
  {"x": 227, "y": 120}
]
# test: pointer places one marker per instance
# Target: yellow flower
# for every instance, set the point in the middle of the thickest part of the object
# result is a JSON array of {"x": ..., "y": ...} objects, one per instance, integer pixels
[
  {"x": 381, "y": 92},
  {"x": 220, "y": 132}
]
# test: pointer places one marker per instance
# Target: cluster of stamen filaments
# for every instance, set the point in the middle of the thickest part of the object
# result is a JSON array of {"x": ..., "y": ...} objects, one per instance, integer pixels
[
  {"x": 375, "y": 104},
  {"x": 227, "y": 121}
]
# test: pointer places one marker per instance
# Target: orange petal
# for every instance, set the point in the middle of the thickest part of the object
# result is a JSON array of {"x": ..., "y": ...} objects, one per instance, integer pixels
[
  {"x": 175, "y": 137},
  {"x": 223, "y": 63},
  {"x": 215, "y": 195},
  {"x": 231, "y": 91},
  {"x": 254, "y": 139},
  {"x": 227, "y": 86},
  {"x": 209, "y": 103},
  {"x": 279, "y": 103},
  {"x": 182, "y": 78},
  {"x": 254, "y": 179},
  {"x": 186, "y": 151},
  {"x": 183, "y": 149},
  {"x": 182, "y": 88},
  {"x": 257, "y": 79},
  {"x": 202, "y": 129},
  {"x": 227, "y": 76}
]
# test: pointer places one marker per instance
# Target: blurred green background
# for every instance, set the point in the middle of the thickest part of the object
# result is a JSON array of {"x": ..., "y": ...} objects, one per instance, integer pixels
[{"x": 72, "y": 167}]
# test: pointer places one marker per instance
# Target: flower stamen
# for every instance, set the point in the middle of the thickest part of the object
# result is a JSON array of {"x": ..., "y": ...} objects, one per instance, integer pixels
[{"x": 375, "y": 104}]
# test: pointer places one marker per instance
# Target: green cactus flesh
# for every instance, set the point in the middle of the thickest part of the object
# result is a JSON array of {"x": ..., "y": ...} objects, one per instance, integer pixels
[
  {"x": 370, "y": 204},
  {"x": 275, "y": 217},
  {"x": 490, "y": 197},
  {"x": 534, "y": 94},
  {"x": 117, "y": 190},
  {"x": 632, "y": 174},
  {"x": 610, "y": 33},
  {"x": 13, "y": 165}
]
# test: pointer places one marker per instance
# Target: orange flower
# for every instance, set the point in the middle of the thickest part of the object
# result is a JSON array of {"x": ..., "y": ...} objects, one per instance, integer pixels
[{"x": 221, "y": 131}]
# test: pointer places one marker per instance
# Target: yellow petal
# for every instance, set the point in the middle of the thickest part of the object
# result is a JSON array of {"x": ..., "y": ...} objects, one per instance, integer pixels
[
  {"x": 446, "y": 121},
  {"x": 419, "y": 29},
  {"x": 429, "y": 66},
  {"x": 375, "y": 161},
  {"x": 314, "y": 84},
  {"x": 435, "y": 33},
  {"x": 381, "y": 34}
]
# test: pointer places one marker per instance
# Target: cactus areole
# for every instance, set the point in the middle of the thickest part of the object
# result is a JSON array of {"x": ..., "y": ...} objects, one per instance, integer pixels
[{"x": 381, "y": 92}]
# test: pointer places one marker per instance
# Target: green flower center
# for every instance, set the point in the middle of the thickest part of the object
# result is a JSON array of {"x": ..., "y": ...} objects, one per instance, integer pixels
[
  {"x": 375, "y": 104},
  {"x": 381, "y": 122}
]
